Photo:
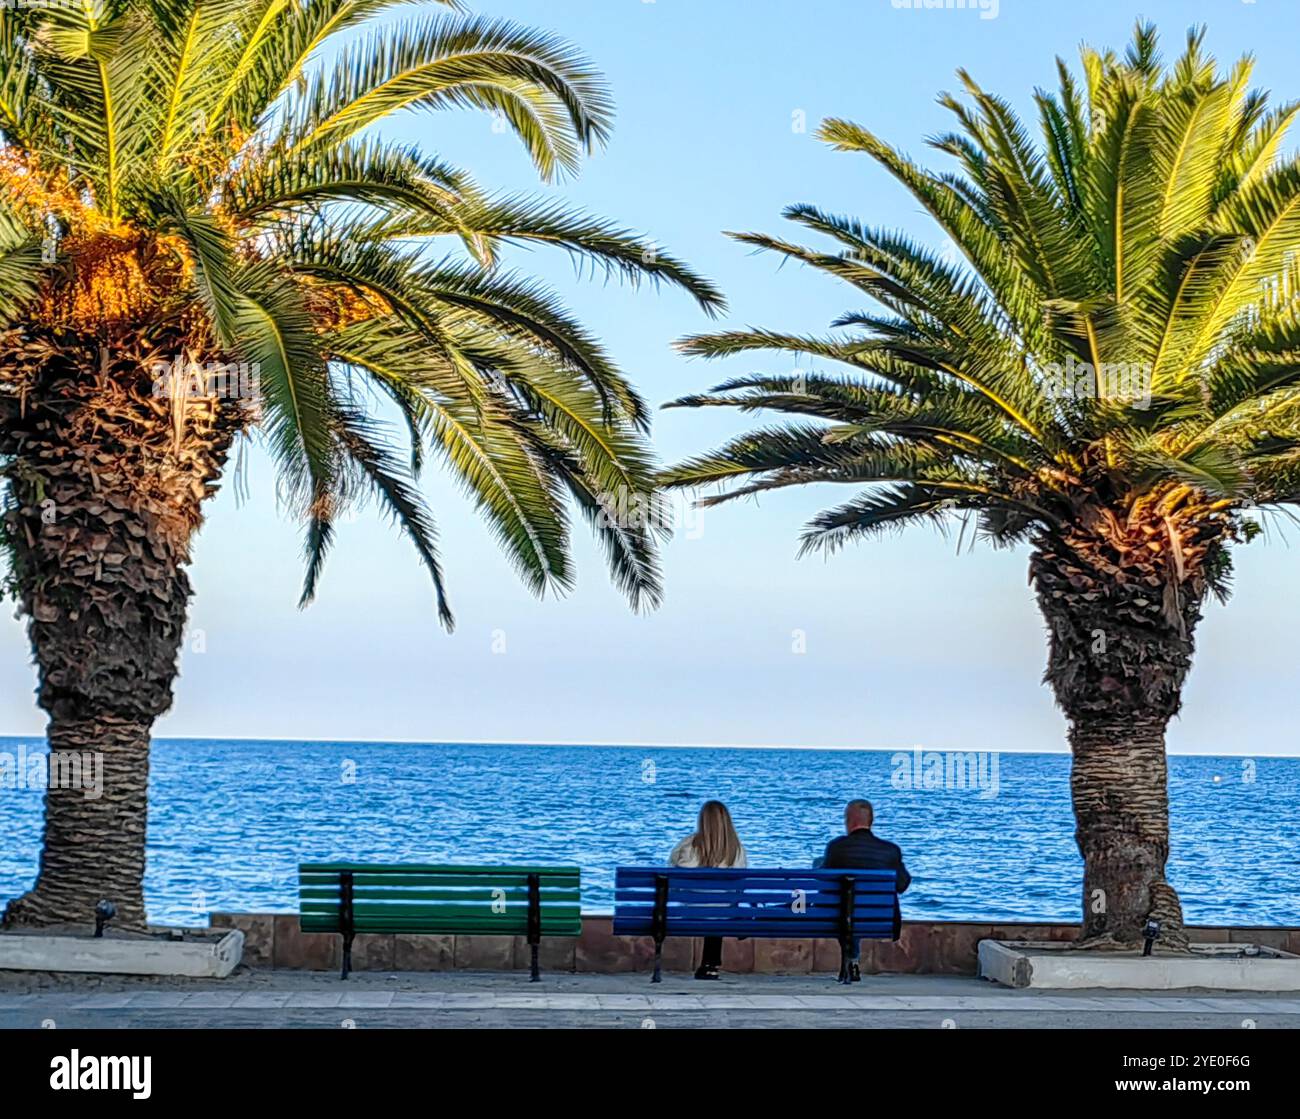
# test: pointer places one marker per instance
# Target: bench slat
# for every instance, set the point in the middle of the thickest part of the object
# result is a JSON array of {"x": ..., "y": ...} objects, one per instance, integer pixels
[
  {"x": 784, "y": 930},
  {"x": 435, "y": 868},
  {"x": 436, "y": 909},
  {"x": 768, "y": 900},
  {"x": 740, "y": 893},
  {"x": 722, "y": 874},
  {"x": 760, "y": 912},
  {"x": 400, "y": 881},
  {"x": 738, "y": 889},
  {"x": 765, "y": 927},
  {"x": 495, "y": 926},
  {"x": 480, "y": 894}
]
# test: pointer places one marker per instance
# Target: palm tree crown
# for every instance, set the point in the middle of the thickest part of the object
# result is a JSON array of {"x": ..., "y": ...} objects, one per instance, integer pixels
[
  {"x": 1117, "y": 345},
  {"x": 205, "y": 172}
]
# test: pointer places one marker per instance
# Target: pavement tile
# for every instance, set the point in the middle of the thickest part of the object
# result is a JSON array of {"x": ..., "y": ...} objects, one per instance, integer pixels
[
  {"x": 470, "y": 1000},
  {"x": 262, "y": 1000},
  {"x": 1056, "y": 1002},
  {"x": 210, "y": 1000},
  {"x": 931, "y": 1002},
  {"x": 622, "y": 1002},
  {"x": 157, "y": 1000},
  {"x": 1077, "y": 1002},
  {"x": 418, "y": 1000},
  {"x": 1238, "y": 1006},
  {"x": 874, "y": 1002},
  {"x": 770, "y": 1002},
  {"x": 1146, "y": 1005},
  {"x": 102, "y": 1002},
  {"x": 675, "y": 1002},
  {"x": 366, "y": 1000},
  {"x": 1011, "y": 1002},
  {"x": 307, "y": 1000}
]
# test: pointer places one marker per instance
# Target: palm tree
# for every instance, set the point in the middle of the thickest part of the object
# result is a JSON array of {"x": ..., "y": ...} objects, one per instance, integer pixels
[
  {"x": 1105, "y": 366},
  {"x": 201, "y": 236}
]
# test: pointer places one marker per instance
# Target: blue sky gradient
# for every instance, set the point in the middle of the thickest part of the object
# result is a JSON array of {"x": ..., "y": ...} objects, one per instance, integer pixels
[{"x": 904, "y": 641}]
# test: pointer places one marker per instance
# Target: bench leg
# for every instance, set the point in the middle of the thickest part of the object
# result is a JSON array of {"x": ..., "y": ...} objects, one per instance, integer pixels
[
  {"x": 659, "y": 955},
  {"x": 534, "y": 923},
  {"x": 347, "y": 918},
  {"x": 845, "y": 960}
]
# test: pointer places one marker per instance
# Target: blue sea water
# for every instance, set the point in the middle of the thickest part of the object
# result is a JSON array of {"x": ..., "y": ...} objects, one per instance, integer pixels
[{"x": 231, "y": 820}]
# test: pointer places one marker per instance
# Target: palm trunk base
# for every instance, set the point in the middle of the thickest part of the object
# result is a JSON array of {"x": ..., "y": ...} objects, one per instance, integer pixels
[
  {"x": 95, "y": 815},
  {"x": 1119, "y": 786}
]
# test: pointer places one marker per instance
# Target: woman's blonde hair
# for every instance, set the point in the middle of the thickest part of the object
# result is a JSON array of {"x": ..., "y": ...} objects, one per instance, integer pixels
[{"x": 715, "y": 840}]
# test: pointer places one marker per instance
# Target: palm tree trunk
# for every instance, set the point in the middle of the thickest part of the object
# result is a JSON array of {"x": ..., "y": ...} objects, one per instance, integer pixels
[
  {"x": 106, "y": 480},
  {"x": 94, "y": 839},
  {"x": 1120, "y": 649},
  {"x": 1121, "y": 809}
]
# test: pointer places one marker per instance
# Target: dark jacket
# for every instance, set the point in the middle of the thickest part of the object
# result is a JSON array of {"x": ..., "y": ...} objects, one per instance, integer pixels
[{"x": 862, "y": 849}]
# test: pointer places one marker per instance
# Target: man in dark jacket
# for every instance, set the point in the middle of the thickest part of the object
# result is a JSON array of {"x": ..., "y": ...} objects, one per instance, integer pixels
[{"x": 859, "y": 848}]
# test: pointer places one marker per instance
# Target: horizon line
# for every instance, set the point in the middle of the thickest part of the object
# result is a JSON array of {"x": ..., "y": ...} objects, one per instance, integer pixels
[{"x": 1064, "y": 752}]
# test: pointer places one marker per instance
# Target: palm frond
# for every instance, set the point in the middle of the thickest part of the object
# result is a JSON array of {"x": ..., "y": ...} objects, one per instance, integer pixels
[{"x": 1117, "y": 341}]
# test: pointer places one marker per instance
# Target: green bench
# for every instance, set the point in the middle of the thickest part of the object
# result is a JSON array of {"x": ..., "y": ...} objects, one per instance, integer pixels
[{"x": 351, "y": 898}]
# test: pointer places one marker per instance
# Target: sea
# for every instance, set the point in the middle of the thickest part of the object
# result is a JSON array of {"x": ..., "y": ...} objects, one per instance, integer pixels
[{"x": 987, "y": 836}]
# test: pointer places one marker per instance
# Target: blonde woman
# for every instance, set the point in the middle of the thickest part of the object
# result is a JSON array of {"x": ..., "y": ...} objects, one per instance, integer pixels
[{"x": 713, "y": 843}]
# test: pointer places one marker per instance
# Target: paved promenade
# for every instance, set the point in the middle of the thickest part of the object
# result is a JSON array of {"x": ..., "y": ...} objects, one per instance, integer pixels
[{"x": 462, "y": 1000}]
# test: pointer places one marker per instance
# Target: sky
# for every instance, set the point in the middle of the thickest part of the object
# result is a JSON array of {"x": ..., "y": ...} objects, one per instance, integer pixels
[{"x": 900, "y": 642}]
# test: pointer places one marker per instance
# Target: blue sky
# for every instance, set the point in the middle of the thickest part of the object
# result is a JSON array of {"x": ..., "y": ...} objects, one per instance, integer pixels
[{"x": 903, "y": 641}]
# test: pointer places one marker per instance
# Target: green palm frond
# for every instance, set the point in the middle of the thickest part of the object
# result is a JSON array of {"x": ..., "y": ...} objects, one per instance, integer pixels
[
  {"x": 274, "y": 329},
  {"x": 20, "y": 265},
  {"x": 549, "y": 95},
  {"x": 602, "y": 245},
  {"x": 477, "y": 438},
  {"x": 217, "y": 272},
  {"x": 367, "y": 451},
  {"x": 1117, "y": 337}
]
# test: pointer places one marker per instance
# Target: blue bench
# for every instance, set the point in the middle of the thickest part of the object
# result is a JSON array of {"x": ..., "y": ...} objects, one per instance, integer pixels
[{"x": 842, "y": 905}]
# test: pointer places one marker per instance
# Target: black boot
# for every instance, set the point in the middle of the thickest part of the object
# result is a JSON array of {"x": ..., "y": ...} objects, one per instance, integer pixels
[{"x": 706, "y": 971}]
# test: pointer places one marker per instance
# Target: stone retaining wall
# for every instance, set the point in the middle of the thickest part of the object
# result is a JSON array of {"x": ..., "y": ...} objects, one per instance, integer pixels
[{"x": 926, "y": 948}]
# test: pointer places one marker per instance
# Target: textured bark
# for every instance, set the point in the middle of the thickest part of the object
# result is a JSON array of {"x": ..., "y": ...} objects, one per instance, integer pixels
[
  {"x": 1122, "y": 607},
  {"x": 94, "y": 845},
  {"x": 106, "y": 480},
  {"x": 1121, "y": 807}
]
